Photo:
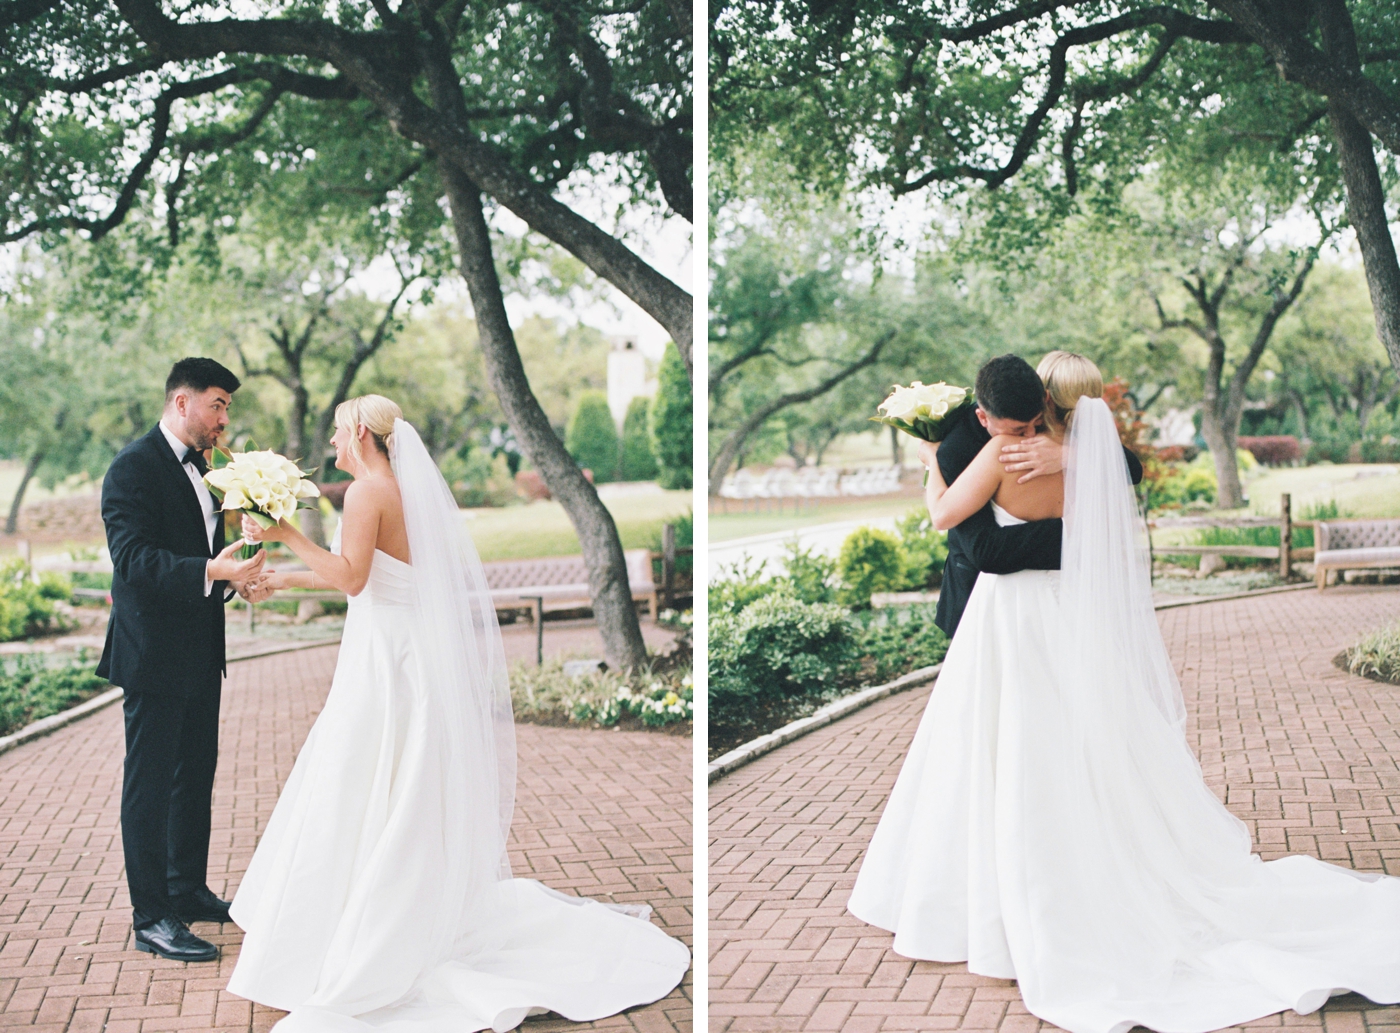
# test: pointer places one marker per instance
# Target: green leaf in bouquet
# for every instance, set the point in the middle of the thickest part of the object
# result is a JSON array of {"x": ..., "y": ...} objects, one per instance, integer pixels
[{"x": 898, "y": 424}]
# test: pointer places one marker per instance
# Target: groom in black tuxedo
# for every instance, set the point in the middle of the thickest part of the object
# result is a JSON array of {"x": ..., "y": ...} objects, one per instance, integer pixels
[
  {"x": 1010, "y": 400},
  {"x": 165, "y": 648}
]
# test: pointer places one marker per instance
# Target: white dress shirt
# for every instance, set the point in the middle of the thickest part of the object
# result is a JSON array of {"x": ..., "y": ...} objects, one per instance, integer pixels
[{"x": 206, "y": 497}]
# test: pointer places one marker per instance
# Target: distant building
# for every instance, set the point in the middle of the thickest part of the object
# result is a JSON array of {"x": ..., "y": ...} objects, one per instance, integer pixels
[{"x": 627, "y": 375}]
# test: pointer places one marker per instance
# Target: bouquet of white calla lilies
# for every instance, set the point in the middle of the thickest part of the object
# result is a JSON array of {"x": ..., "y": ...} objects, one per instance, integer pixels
[
  {"x": 924, "y": 411},
  {"x": 265, "y": 485}
]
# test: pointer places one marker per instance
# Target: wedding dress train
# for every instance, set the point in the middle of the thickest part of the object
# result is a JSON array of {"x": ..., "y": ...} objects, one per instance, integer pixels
[
  {"x": 375, "y": 899},
  {"x": 1051, "y": 825}
]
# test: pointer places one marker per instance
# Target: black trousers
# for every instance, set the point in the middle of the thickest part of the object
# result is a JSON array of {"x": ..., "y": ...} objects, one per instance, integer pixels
[
  {"x": 959, "y": 578},
  {"x": 172, "y": 748}
]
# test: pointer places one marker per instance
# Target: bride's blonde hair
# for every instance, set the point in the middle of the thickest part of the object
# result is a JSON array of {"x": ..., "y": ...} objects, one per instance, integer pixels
[
  {"x": 1067, "y": 378},
  {"x": 373, "y": 411}
]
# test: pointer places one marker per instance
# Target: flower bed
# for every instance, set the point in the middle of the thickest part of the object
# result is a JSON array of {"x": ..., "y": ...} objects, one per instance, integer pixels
[
  {"x": 1377, "y": 656},
  {"x": 32, "y": 687},
  {"x": 782, "y": 647},
  {"x": 660, "y": 698}
]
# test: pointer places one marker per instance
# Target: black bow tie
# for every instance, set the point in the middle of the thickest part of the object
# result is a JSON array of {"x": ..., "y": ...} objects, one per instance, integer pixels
[{"x": 195, "y": 456}]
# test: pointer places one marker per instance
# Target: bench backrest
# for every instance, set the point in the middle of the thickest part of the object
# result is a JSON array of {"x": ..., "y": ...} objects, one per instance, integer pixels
[
  {"x": 1358, "y": 534},
  {"x": 563, "y": 570}
]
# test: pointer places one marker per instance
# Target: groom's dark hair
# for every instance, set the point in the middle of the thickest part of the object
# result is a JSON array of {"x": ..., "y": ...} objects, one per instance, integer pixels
[
  {"x": 1010, "y": 389},
  {"x": 200, "y": 374}
]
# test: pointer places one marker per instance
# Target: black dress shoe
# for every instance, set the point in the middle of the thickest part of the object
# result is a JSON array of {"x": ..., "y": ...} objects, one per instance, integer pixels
[
  {"x": 170, "y": 939},
  {"x": 201, "y": 906}
]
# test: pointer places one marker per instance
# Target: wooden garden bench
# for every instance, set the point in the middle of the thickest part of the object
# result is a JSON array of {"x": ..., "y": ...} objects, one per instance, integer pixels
[
  {"x": 1355, "y": 544},
  {"x": 563, "y": 579}
]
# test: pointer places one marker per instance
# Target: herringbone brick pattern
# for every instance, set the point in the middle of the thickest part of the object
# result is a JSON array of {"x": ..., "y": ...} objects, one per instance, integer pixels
[
  {"x": 1306, "y": 754},
  {"x": 601, "y": 813}
]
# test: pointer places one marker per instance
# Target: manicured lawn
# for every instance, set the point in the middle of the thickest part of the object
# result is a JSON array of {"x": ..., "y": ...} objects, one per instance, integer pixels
[
  {"x": 1360, "y": 489},
  {"x": 543, "y": 528},
  {"x": 724, "y": 526}
]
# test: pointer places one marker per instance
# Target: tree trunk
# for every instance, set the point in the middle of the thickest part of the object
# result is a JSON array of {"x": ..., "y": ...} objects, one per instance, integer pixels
[
  {"x": 597, "y": 533},
  {"x": 1366, "y": 213},
  {"x": 311, "y": 523},
  {"x": 1296, "y": 400},
  {"x": 1222, "y": 435},
  {"x": 733, "y": 446},
  {"x": 12, "y": 521}
]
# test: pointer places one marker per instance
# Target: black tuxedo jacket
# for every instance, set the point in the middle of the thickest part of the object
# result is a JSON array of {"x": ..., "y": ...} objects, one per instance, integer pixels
[
  {"x": 164, "y": 635},
  {"x": 978, "y": 543}
]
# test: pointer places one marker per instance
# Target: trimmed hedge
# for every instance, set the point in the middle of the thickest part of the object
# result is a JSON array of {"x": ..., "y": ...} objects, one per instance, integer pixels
[
  {"x": 638, "y": 462},
  {"x": 592, "y": 437},
  {"x": 672, "y": 423}
]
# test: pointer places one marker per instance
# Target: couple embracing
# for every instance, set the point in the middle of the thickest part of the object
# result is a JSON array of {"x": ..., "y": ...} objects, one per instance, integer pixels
[
  {"x": 1050, "y": 823},
  {"x": 380, "y": 893}
]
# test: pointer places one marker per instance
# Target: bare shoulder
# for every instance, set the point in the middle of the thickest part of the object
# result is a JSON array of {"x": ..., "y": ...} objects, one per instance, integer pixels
[{"x": 372, "y": 491}]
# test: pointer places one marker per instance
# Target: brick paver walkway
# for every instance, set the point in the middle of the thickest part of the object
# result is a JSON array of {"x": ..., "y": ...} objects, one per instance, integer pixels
[
  {"x": 605, "y": 814},
  {"x": 1306, "y": 754}
]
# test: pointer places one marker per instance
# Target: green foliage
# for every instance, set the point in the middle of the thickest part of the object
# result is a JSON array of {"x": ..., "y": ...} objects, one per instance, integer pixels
[
  {"x": 592, "y": 437},
  {"x": 870, "y": 561},
  {"x": 810, "y": 575},
  {"x": 924, "y": 549},
  {"x": 638, "y": 463},
  {"x": 31, "y": 690},
  {"x": 672, "y": 422},
  {"x": 895, "y": 641},
  {"x": 777, "y": 646},
  {"x": 685, "y": 536},
  {"x": 1181, "y": 485},
  {"x": 27, "y": 609}
]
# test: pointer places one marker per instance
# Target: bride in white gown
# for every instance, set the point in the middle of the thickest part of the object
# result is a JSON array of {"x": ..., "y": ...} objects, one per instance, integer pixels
[
  {"x": 380, "y": 894},
  {"x": 1051, "y": 824}
]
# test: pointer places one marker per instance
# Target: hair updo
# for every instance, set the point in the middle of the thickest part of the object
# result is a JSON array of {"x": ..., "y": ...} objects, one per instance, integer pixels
[
  {"x": 374, "y": 412},
  {"x": 1068, "y": 377}
]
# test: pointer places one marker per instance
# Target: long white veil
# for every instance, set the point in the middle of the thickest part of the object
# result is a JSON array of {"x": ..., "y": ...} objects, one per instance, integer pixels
[
  {"x": 464, "y": 672},
  {"x": 1106, "y": 580}
]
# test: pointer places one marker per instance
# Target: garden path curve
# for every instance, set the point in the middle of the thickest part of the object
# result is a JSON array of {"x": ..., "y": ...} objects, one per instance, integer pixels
[
  {"x": 1306, "y": 754},
  {"x": 601, "y": 813}
]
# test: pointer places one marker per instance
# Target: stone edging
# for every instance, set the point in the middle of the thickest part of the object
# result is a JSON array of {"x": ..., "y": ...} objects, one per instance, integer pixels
[
  {"x": 52, "y": 723},
  {"x": 1170, "y": 604},
  {"x": 755, "y": 748},
  {"x": 834, "y": 711}
]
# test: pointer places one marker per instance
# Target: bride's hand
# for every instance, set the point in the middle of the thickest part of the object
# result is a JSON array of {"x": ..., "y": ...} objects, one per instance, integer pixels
[
  {"x": 255, "y": 532},
  {"x": 927, "y": 451}
]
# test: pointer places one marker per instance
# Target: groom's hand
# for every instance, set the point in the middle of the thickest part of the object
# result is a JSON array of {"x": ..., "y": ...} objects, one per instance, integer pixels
[
  {"x": 1038, "y": 456},
  {"x": 228, "y": 567}
]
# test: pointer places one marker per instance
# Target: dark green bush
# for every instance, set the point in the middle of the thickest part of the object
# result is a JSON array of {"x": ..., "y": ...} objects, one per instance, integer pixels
[
  {"x": 30, "y": 689},
  {"x": 924, "y": 547},
  {"x": 810, "y": 575},
  {"x": 739, "y": 586},
  {"x": 871, "y": 561},
  {"x": 28, "y": 609},
  {"x": 777, "y": 646},
  {"x": 592, "y": 437},
  {"x": 672, "y": 422},
  {"x": 638, "y": 462},
  {"x": 893, "y": 642}
]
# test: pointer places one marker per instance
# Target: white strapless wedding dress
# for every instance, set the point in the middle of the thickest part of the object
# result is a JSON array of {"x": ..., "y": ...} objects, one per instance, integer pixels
[
  {"x": 1107, "y": 880},
  {"x": 343, "y": 886}
]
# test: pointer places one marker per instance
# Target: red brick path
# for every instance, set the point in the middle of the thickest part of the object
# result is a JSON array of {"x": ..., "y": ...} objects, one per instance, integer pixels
[
  {"x": 1307, "y": 755},
  {"x": 601, "y": 813}
]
